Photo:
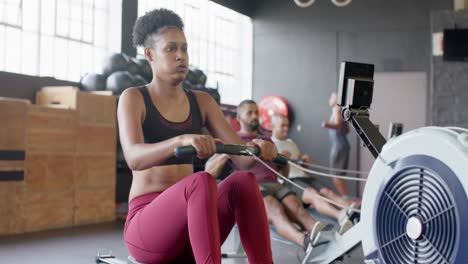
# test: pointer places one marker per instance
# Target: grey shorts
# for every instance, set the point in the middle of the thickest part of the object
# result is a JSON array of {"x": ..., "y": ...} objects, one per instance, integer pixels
[
  {"x": 277, "y": 190},
  {"x": 339, "y": 160},
  {"x": 304, "y": 182}
]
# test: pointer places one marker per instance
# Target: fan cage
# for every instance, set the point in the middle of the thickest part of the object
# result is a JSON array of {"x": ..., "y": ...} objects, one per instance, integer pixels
[{"x": 418, "y": 192}]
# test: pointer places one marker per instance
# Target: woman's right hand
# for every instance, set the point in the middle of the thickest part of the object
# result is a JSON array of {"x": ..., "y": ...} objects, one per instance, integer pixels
[
  {"x": 203, "y": 144},
  {"x": 215, "y": 164}
]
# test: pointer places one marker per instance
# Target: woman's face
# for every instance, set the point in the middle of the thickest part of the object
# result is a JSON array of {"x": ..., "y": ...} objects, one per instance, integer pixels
[{"x": 169, "y": 58}]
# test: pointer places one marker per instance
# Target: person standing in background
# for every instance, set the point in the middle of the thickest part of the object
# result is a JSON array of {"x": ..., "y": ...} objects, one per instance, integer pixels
[{"x": 339, "y": 154}]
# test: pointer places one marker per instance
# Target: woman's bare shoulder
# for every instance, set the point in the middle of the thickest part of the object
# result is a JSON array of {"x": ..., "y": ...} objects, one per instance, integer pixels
[
  {"x": 205, "y": 101},
  {"x": 200, "y": 95},
  {"x": 131, "y": 93},
  {"x": 131, "y": 102}
]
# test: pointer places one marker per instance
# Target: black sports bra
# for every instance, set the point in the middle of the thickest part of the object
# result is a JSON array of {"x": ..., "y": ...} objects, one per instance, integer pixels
[{"x": 156, "y": 128}]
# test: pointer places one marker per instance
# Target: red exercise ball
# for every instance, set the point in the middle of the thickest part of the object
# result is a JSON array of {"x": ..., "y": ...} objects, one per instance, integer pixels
[{"x": 269, "y": 106}]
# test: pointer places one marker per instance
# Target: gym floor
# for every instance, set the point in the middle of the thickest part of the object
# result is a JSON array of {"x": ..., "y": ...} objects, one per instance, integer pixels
[{"x": 80, "y": 245}]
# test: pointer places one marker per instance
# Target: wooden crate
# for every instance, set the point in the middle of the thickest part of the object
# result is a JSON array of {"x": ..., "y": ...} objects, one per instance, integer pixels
[
  {"x": 95, "y": 188},
  {"x": 43, "y": 210},
  {"x": 10, "y": 208},
  {"x": 50, "y": 173},
  {"x": 48, "y": 192},
  {"x": 94, "y": 205},
  {"x": 51, "y": 130},
  {"x": 13, "y": 114},
  {"x": 96, "y": 139},
  {"x": 92, "y": 107},
  {"x": 95, "y": 171},
  {"x": 68, "y": 166},
  {"x": 50, "y": 167},
  {"x": 94, "y": 196}
]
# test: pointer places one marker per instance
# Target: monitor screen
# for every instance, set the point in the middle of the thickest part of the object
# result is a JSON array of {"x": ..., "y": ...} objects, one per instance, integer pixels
[
  {"x": 353, "y": 70},
  {"x": 455, "y": 44}
]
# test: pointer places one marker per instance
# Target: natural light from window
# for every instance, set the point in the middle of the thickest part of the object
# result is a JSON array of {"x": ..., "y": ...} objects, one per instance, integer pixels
[{"x": 59, "y": 38}]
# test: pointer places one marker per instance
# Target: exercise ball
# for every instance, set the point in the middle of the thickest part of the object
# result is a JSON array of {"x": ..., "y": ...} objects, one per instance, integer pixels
[
  {"x": 211, "y": 91},
  {"x": 270, "y": 105},
  {"x": 196, "y": 76},
  {"x": 93, "y": 82},
  {"x": 114, "y": 62},
  {"x": 145, "y": 68},
  {"x": 133, "y": 67},
  {"x": 187, "y": 85},
  {"x": 118, "y": 81},
  {"x": 138, "y": 80}
]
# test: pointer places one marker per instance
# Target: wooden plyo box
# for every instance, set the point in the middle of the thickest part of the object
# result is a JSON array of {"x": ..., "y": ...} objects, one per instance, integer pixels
[
  {"x": 10, "y": 208},
  {"x": 50, "y": 130},
  {"x": 13, "y": 114},
  {"x": 94, "y": 188},
  {"x": 92, "y": 107},
  {"x": 12, "y": 130},
  {"x": 94, "y": 197},
  {"x": 68, "y": 164},
  {"x": 43, "y": 198}
]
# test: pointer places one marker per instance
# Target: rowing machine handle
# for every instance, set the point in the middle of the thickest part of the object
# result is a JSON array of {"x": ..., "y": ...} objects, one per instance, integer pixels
[{"x": 189, "y": 151}]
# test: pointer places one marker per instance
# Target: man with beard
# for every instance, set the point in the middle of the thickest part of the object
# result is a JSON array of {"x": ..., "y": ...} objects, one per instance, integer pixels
[{"x": 283, "y": 208}]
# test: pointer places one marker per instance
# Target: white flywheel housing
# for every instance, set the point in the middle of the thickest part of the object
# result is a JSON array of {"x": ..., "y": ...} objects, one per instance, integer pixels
[{"x": 415, "y": 204}]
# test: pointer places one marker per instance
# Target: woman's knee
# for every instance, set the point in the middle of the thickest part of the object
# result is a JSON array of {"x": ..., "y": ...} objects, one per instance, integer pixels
[
  {"x": 204, "y": 177},
  {"x": 244, "y": 178}
]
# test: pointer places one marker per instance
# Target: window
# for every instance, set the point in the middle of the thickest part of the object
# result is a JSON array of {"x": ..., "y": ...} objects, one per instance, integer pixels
[
  {"x": 219, "y": 43},
  {"x": 74, "y": 20},
  {"x": 10, "y": 12},
  {"x": 59, "y": 38}
]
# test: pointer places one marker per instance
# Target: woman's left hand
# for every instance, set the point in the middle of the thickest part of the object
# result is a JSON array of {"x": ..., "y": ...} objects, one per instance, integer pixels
[{"x": 267, "y": 149}]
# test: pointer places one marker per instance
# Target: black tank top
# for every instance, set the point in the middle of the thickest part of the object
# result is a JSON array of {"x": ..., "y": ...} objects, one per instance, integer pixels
[{"x": 156, "y": 128}]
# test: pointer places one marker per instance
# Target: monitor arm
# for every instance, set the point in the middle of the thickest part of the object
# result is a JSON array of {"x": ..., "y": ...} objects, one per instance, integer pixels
[{"x": 366, "y": 130}]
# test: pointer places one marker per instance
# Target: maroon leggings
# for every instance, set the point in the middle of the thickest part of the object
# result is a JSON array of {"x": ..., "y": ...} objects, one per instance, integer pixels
[{"x": 188, "y": 222}]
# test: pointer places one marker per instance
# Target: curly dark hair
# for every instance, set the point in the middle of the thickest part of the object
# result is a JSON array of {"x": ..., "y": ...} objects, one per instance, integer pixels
[{"x": 152, "y": 22}]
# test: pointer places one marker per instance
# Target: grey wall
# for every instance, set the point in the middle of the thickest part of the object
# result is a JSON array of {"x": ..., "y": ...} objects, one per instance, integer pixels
[
  {"x": 449, "y": 80},
  {"x": 297, "y": 53},
  {"x": 25, "y": 86}
]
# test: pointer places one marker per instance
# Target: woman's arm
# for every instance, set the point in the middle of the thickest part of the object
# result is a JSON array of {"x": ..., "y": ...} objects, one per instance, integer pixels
[
  {"x": 142, "y": 156},
  {"x": 330, "y": 125},
  {"x": 214, "y": 166},
  {"x": 220, "y": 128},
  {"x": 336, "y": 120}
]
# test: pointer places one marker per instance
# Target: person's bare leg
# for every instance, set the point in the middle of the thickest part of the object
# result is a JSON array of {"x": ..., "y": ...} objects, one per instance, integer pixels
[
  {"x": 334, "y": 197},
  {"x": 278, "y": 217},
  {"x": 296, "y": 211},
  {"x": 340, "y": 185},
  {"x": 323, "y": 207}
]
